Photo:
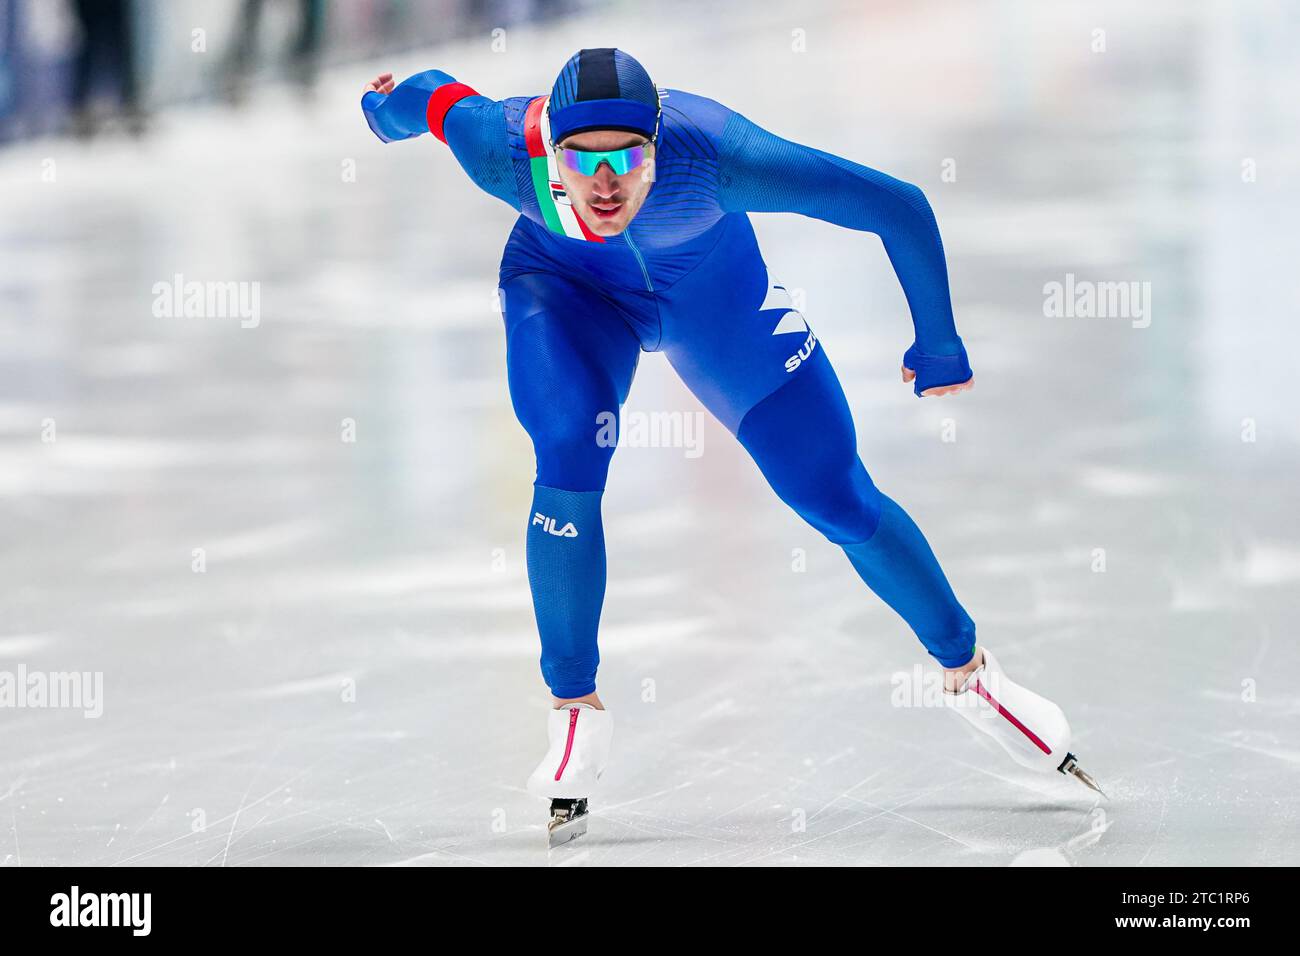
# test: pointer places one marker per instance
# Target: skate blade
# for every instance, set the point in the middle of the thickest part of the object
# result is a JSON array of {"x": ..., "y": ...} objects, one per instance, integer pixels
[
  {"x": 569, "y": 830},
  {"x": 1086, "y": 779},
  {"x": 1071, "y": 766}
]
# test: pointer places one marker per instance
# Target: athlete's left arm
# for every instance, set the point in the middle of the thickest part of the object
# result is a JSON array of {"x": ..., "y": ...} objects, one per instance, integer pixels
[{"x": 761, "y": 172}]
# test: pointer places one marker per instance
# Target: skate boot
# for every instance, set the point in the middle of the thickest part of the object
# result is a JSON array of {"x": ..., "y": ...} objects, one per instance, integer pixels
[
  {"x": 580, "y": 736},
  {"x": 1030, "y": 728}
]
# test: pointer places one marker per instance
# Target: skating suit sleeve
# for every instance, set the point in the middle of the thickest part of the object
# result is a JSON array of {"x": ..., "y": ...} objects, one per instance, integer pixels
[
  {"x": 473, "y": 126},
  {"x": 761, "y": 172}
]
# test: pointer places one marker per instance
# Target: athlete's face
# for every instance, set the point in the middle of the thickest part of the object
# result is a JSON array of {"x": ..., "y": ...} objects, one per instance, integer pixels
[{"x": 607, "y": 202}]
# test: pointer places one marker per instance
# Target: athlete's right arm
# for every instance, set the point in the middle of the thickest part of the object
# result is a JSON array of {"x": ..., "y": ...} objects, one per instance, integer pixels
[{"x": 473, "y": 126}]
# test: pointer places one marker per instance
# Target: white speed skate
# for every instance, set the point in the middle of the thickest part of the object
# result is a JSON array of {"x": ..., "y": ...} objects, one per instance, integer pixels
[
  {"x": 580, "y": 737},
  {"x": 1030, "y": 728}
]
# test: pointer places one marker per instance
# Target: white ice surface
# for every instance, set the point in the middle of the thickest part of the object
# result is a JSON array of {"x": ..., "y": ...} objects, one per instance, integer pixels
[{"x": 749, "y": 697}]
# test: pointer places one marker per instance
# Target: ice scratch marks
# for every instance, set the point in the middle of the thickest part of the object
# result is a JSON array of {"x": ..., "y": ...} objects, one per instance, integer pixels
[
  {"x": 1097, "y": 827},
  {"x": 13, "y": 788},
  {"x": 149, "y": 819},
  {"x": 1164, "y": 807},
  {"x": 436, "y": 854},
  {"x": 943, "y": 833},
  {"x": 791, "y": 847},
  {"x": 1040, "y": 856},
  {"x": 845, "y": 795},
  {"x": 17, "y": 855},
  {"x": 234, "y": 821},
  {"x": 1234, "y": 740},
  {"x": 648, "y": 796},
  {"x": 1275, "y": 707},
  {"x": 225, "y": 853},
  {"x": 567, "y": 859},
  {"x": 150, "y": 851}
]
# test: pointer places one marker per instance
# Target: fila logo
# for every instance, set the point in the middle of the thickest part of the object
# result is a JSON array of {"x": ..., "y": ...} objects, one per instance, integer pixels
[
  {"x": 548, "y": 525},
  {"x": 559, "y": 195}
]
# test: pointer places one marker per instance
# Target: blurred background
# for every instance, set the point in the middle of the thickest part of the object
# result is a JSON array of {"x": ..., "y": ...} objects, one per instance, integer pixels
[
  {"x": 67, "y": 64},
  {"x": 286, "y": 527}
]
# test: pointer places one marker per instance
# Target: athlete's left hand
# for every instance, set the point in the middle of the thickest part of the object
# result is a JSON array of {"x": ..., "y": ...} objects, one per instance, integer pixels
[{"x": 909, "y": 375}]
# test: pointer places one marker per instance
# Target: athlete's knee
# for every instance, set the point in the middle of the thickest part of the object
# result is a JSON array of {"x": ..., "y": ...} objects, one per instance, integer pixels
[
  {"x": 842, "y": 502},
  {"x": 824, "y": 481},
  {"x": 572, "y": 452},
  {"x": 569, "y": 409}
]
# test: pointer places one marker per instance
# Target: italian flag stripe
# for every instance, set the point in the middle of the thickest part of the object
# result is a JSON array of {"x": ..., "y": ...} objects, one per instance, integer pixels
[
  {"x": 586, "y": 232},
  {"x": 557, "y": 211},
  {"x": 533, "y": 128},
  {"x": 542, "y": 184}
]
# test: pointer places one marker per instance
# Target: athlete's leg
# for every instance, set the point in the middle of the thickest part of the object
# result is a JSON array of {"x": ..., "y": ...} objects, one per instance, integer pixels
[
  {"x": 739, "y": 344},
  {"x": 570, "y": 359},
  {"x": 802, "y": 438}
]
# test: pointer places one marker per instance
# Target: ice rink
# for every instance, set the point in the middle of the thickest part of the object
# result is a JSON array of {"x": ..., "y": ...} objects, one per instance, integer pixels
[{"x": 319, "y": 650}]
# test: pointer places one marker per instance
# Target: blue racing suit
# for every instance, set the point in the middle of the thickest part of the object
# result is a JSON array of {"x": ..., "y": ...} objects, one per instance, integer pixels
[{"x": 686, "y": 278}]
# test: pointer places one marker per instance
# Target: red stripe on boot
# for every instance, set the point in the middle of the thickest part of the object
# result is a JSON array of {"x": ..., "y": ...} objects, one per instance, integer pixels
[
  {"x": 568, "y": 746},
  {"x": 979, "y": 689}
]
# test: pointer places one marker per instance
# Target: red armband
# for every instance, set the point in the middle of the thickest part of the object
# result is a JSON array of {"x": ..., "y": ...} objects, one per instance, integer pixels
[{"x": 443, "y": 99}]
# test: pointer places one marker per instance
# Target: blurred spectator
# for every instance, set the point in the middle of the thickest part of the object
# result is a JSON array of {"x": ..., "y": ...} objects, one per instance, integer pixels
[
  {"x": 304, "y": 54},
  {"x": 86, "y": 63},
  {"x": 106, "y": 50}
]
